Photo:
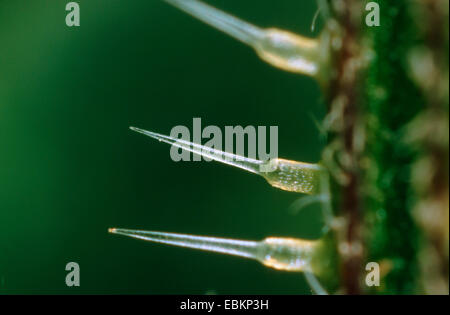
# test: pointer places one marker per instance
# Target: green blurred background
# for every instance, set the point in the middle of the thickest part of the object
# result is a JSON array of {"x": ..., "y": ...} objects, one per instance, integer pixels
[{"x": 70, "y": 167}]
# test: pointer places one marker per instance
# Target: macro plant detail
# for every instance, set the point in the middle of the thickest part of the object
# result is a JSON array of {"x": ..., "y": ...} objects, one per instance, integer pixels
[{"x": 382, "y": 182}]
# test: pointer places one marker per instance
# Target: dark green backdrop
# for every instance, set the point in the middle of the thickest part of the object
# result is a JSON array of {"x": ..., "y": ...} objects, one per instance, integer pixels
[{"x": 70, "y": 167}]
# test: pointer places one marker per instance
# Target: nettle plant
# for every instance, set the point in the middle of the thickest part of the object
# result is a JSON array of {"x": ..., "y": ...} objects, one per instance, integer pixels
[{"x": 383, "y": 180}]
